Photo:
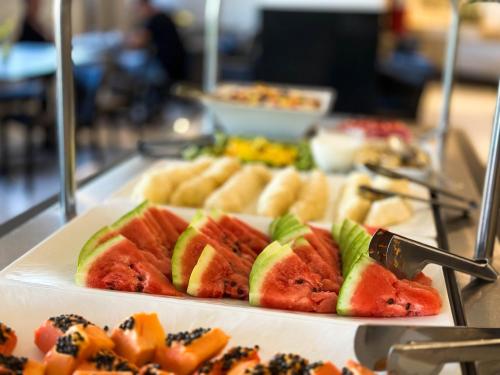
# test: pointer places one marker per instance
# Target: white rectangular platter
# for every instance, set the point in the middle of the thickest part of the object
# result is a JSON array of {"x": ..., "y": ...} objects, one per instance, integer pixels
[
  {"x": 420, "y": 224},
  {"x": 53, "y": 263},
  {"x": 25, "y": 307}
]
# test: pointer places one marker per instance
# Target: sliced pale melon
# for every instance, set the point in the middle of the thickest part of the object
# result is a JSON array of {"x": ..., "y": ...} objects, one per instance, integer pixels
[{"x": 388, "y": 211}]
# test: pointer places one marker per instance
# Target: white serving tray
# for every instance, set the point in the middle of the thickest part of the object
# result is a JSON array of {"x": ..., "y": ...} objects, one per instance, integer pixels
[
  {"x": 25, "y": 307},
  {"x": 52, "y": 263},
  {"x": 420, "y": 224}
]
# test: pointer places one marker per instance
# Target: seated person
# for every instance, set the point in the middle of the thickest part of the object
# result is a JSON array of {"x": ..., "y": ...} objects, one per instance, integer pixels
[
  {"x": 31, "y": 29},
  {"x": 159, "y": 33}
]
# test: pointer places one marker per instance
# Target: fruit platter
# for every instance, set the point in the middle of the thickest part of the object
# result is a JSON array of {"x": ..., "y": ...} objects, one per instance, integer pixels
[
  {"x": 188, "y": 255},
  {"x": 140, "y": 344}
]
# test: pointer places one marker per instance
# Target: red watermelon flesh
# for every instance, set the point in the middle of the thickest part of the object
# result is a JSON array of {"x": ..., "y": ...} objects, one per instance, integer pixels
[
  {"x": 381, "y": 294},
  {"x": 167, "y": 226},
  {"x": 139, "y": 232},
  {"x": 329, "y": 276},
  {"x": 228, "y": 239},
  {"x": 123, "y": 266},
  {"x": 253, "y": 238},
  {"x": 329, "y": 254},
  {"x": 178, "y": 222},
  {"x": 218, "y": 279},
  {"x": 194, "y": 249},
  {"x": 291, "y": 285}
]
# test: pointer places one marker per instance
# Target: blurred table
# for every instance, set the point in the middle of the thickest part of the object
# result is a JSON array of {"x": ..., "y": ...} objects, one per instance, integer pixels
[{"x": 27, "y": 60}]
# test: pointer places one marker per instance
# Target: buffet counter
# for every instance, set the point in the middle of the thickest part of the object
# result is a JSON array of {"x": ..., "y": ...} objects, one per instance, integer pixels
[{"x": 473, "y": 303}]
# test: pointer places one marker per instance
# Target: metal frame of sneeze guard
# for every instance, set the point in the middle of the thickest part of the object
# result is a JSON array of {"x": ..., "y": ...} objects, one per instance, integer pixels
[
  {"x": 211, "y": 58},
  {"x": 65, "y": 108},
  {"x": 488, "y": 222}
]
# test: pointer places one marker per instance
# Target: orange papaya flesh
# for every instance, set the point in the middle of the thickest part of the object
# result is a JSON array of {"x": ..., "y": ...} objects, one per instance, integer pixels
[
  {"x": 8, "y": 339},
  {"x": 354, "y": 368},
  {"x": 184, "y": 352},
  {"x": 137, "y": 338},
  {"x": 98, "y": 372},
  {"x": 153, "y": 369},
  {"x": 234, "y": 362},
  {"x": 47, "y": 334},
  {"x": 289, "y": 364},
  {"x": 106, "y": 360},
  {"x": 76, "y": 345},
  {"x": 11, "y": 365}
]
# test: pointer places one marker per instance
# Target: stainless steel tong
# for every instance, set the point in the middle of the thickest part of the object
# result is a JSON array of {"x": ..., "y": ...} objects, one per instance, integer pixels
[
  {"x": 406, "y": 257},
  {"x": 378, "y": 193},
  {"x": 424, "y": 350},
  {"x": 392, "y": 174}
]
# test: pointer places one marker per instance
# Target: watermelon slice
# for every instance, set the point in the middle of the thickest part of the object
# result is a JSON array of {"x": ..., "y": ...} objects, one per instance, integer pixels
[
  {"x": 329, "y": 275},
  {"x": 208, "y": 224},
  {"x": 188, "y": 250},
  {"x": 118, "y": 264},
  {"x": 151, "y": 228},
  {"x": 280, "y": 279},
  {"x": 370, "y": 290},
  {"x": 215, "y": 277},
  {"x": 253, "y": 238}
]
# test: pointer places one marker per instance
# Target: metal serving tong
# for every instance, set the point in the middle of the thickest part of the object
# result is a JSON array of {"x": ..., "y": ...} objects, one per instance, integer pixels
[
  {"x": 392, "y": 174},
  {"x": 424, "y": 350},
  {"x": 373, "y": 192},
  {"x": 406, "y": 257}
]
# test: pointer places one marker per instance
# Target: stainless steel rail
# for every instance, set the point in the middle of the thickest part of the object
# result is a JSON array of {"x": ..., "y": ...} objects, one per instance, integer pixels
[
  {"x": 490, "y": 208},
  {"x": 65, "y": 107},
  {"x": 449, "y": 69},
  {"x": 211, "y": 58}
]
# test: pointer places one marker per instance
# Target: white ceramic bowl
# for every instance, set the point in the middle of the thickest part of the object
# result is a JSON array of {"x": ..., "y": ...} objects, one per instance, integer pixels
[
  {"x": 335, "y": 152},
  {"x": 274, "y": 123}
]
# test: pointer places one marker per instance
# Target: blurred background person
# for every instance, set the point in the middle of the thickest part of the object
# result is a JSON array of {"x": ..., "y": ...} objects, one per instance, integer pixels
[
  {"x": 31, "y": 27},
  {"x": 157, "y": 32}
]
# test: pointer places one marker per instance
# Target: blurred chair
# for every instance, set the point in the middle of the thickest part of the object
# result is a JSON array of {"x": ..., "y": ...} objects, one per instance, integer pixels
[{"x": 22, "y": 103}]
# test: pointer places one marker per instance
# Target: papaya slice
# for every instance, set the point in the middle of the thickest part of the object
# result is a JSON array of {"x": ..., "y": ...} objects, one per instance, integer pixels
[
  {"x": 290, "y": 364},
  {"x": 184, "y": 352},
  {"x": 235, "y": 362},
  {"x": 8, "y": 339},
  {"x": 137, "y": 338},
  {"x": 106, "y": 361},
  {"x": 153, "y": 369},
  {"x": 47, "y": 334},
  {"x": 77, "y": 344},
  {"x": 354, "y": 368},
  {"x": 11, "y": 365},
  {"x": 103, "y": 372}
]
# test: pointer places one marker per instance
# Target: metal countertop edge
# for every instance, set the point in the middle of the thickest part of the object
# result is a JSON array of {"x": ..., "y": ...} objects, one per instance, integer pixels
[
  {"x": 29, "y": 214},
  {"x": 454, "y": 295}
]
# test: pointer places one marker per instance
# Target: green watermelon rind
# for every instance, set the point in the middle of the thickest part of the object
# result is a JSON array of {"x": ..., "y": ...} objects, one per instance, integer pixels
[
  {"x": 195, "y": 280},
  {"x": 351, "y": 282},
  {"x": 347, "y": 226},
  {"x": 336, "y": 231},
  {"x": 352, "y": 236},
  {"x": 178, "y": 253},
  {"x": 126, "y": 218},
  {"x": 287, "y": 228},
  {"x": 353, "y": 249},
  {"x": 361, "y": 251},
  {"x": 84, "y": 267},
  {"x": 91, "y": 244},
  {"x": 264, "y": 263}
]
